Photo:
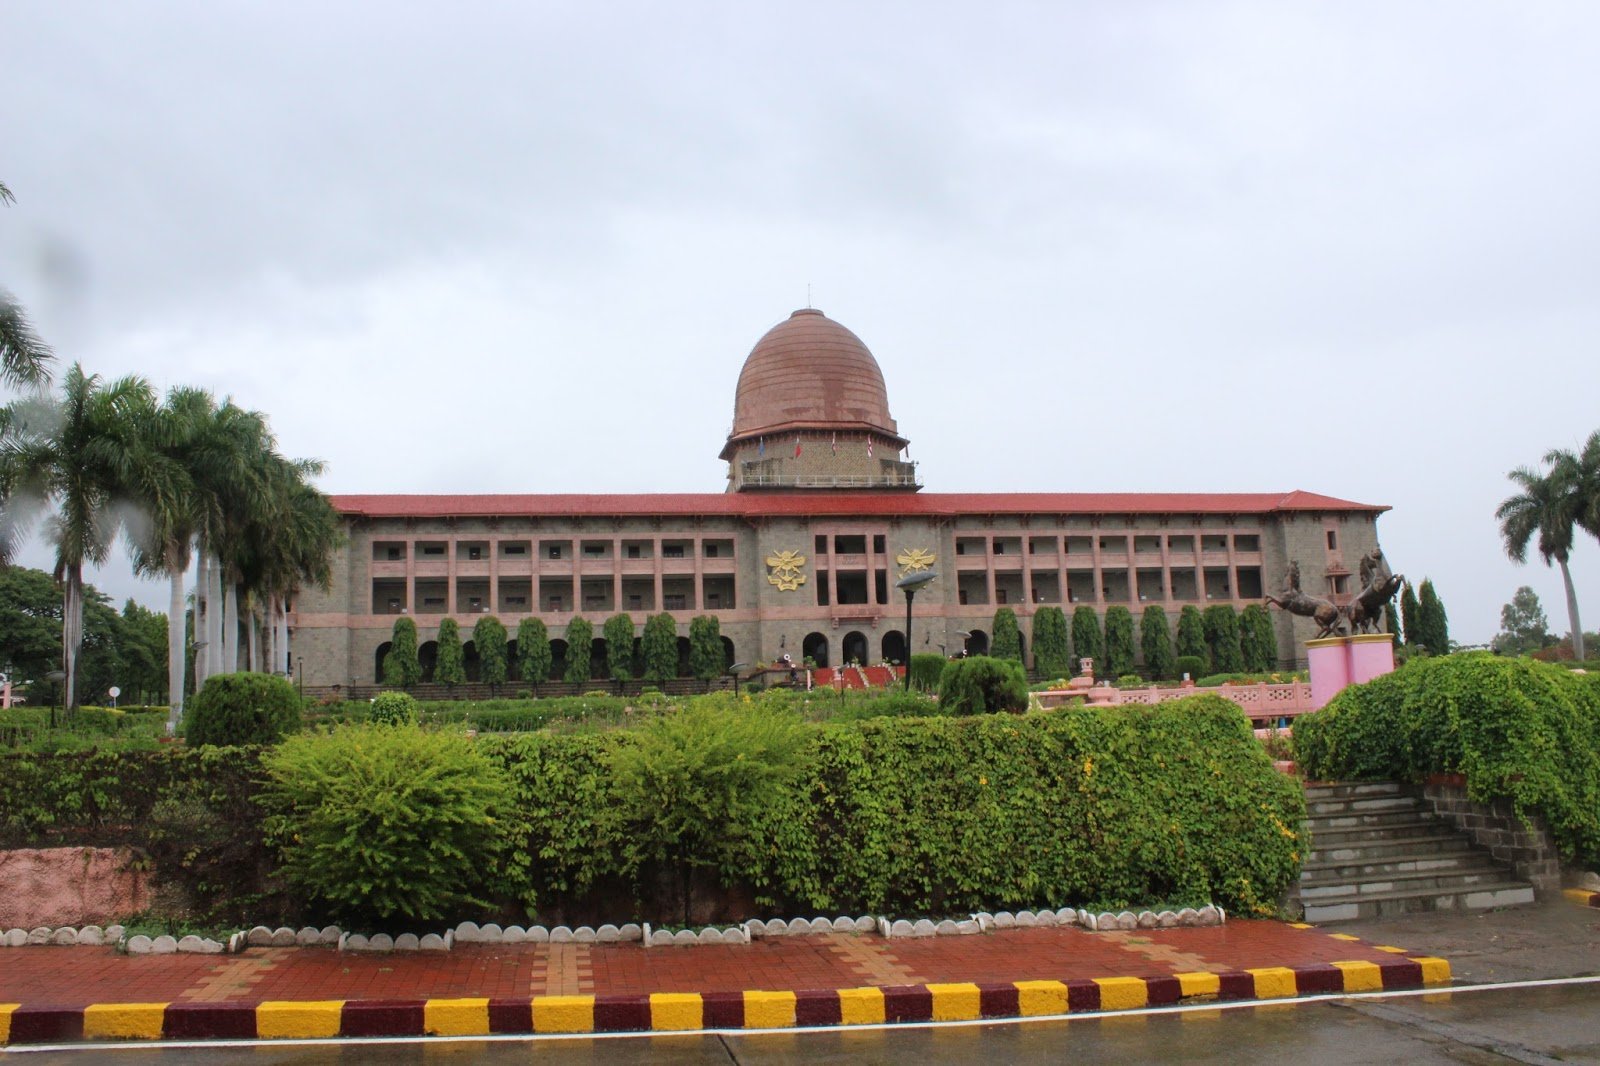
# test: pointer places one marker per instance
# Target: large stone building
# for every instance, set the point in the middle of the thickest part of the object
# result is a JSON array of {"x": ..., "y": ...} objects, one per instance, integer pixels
[{"x": 800, "y": 555}]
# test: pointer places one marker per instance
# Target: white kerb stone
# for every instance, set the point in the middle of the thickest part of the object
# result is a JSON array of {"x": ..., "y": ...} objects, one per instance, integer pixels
[
  {"x": 163, "y": 945},
  {"x": 629, "y": 932},
  {"x": 407, "y": 942},
  {"x": 842, "y": 924},
  {"x": 330, "y": 934},
  {"x": 709, "y": 936},
  {"x": 65, "y": 936},
  {"x": 514, "y": 934},
  {"x": 259, "y": 936},
  {"x": 1026, "y": 920},
  {"x": 308, "y": 936},
  {"x": 538, "y": 934},
  {"x": 467, "y": 932},
  {"x": 922, "y": 927},
  {"x": 91, "y": 934},
  {"x": 139, "y": 945},
  {"x": 584, "y": 935},
  {"x": 946, "y": 928},
  {"x": 561, "y": 935},
  {"x": 684, "y": 937},
  {"x": 864, "y": 924},
  {"x": 114, "y": 933},
  {"x": 380, "y": 942},
  {"x": 608, "y": 934},
  {"x": 191, "y": 945},
  {"x": 490, "y": 934},
  {"x": 432, "y": 942},
  {"x": 1005, "y": 920},
  {"x": 355, "y": 942},
  {"x": 283, "y": 937},
  {"x": 901, "y": 927}
]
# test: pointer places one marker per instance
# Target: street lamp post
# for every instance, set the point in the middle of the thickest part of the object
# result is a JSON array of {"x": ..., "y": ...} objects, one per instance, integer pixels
[
  {"x": 912, "y": 583},
  {"x": 734, "y": 670},
  {"x": 300, "y": 661}
]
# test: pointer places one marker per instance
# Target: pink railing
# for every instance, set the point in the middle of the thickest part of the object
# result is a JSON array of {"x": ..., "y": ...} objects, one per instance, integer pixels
[{"x": 1260, "y": 703}]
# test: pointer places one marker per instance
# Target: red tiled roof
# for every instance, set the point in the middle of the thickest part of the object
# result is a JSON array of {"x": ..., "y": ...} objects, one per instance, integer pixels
[{"x": 857, "y": 503}]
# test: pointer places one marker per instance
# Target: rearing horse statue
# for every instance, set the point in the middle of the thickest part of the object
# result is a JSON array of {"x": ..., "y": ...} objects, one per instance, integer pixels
[
  {"x": 1330, "y": 620},
  {"x": 1378, "y": 586}
]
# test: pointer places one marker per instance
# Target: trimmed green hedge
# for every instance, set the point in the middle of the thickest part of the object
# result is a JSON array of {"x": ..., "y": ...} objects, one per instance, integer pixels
[
  {"x": 935, "y": 815},
  {"x": 1517, "y": 729},
  {"x": 1110, "y": 806}
]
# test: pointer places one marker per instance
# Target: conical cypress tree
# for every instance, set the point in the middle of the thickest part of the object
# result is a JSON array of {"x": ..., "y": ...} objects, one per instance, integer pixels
[
  {"x": 1086, "y": 641},
  {"x": 1007, "y": 642},
  {"x": 400, "y": 667},
  {"x": 1258, "y": 639},
  {"x": 1051, "y": 646},
  {"x": 1410, "y": 614},
  {"x": 1119, "y": 642},
  {"x": 1221, "y": 625},
  {"x": 1192, "y": 634},
  {"x": 450, "y": 668},
  {"x": 1155, "y": 640},
  {"x": 1434, "y": 626},
  {"x": 533, "y": 650},
  {"x": 580, "y": 650}
]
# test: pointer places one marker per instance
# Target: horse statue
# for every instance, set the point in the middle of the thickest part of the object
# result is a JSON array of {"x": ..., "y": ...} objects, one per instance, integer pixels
[
  {"x": 1330, "y": 620},
  {"x": 1378, "y": 586}
]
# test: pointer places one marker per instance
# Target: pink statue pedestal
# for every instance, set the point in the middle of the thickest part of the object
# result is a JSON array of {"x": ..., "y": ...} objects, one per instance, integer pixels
[{"x": 1339, "y": 661}]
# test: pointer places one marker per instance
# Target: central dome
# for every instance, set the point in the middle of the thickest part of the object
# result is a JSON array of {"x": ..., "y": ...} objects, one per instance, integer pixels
[{"x": 810, "y": 373}]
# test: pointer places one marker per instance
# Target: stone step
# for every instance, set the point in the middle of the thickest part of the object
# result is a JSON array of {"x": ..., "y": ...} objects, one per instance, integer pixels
[
  {"x": 1346, "y": 836},
  {"x": 1373, "y": 820},
  {"x": 1364, "y": 848},
  {"x": 1327, "y": 808},
  {"x": 1351, "y": 872},
  {"x": 1422, "y": 882},
  {"x": 1353, "y": 788},
  {"x": 1478, "y": 897}
]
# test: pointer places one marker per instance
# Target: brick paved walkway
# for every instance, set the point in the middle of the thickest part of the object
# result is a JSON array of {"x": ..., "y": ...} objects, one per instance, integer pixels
[{"x": 76, "y": 976}]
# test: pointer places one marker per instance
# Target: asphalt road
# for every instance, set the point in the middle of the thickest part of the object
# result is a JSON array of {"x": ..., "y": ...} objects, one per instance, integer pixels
[{"x": 1538, "y": 1025}]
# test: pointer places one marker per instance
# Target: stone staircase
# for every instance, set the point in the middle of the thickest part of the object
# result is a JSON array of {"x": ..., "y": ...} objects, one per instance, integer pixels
[{"x": 1376, "y": 850}]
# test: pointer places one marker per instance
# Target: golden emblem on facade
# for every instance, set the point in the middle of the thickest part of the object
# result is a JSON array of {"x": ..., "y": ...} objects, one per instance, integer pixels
[
  {"x": 785, "y": 570},
  {"x": 913, "y": 559}
]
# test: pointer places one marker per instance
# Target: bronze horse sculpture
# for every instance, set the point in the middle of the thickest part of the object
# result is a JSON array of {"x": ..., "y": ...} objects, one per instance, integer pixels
[
  {"x": 1331, "y": 621},
  {"x": 1378, "y": 586}
]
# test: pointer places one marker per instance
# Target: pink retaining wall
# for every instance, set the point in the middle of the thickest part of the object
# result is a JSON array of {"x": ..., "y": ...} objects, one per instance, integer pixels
[
  {"x": 1259, "y": 702},
  {"x": 70, "y": 886}
]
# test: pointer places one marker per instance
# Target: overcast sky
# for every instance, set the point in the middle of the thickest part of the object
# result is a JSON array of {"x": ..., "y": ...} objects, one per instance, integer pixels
[{"x": 525, "y": 247}]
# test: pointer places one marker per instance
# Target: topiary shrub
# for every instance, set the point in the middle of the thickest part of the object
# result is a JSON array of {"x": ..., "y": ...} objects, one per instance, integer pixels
[
  {"x": 450, "y": 663},
  {"x": 400, "y": 666},
  {"x": 1086, "y": 642},
  {"x": 1119, "y": 643},
  {"x": 1006, "y": 642},
  {"x": 1516, "y": 729},
  {"x": 1192, "y": 638},
  {"x": 1155, "y": 640},
  {"x": 1193, "y": 665},
  {"x": 926, "y": 669},
  {"x": 386, "y": 822},
  {"x": 242, "y": 709},
  {"x": 393, "y": 708},
  {"x": 1258, "y": 639},
  {"x": 982, "y": 685},
  {"x": 1221, "y": 625},
  {"x": 1051, "y": 646}
]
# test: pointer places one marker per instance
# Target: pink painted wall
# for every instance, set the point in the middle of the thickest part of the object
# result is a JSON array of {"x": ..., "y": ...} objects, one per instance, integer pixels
[{"x": 70, "y": 886}]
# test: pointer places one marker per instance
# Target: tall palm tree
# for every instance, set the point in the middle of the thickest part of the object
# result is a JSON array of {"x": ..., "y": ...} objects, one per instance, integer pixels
[
  {"x": 24, "y": 358},
  {"x": 82, "y": 457},
  {"x": 203, "y": 441},
  {"x": 1547, "y": 507},
  {"x": 1580, "y": 475}
]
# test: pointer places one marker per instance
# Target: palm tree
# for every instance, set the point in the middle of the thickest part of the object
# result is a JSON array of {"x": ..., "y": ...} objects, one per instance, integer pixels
[
  {"x": 192, "y": 432},
  {"x": 84, "y": 456},
  {"x": 24, "y": 358},
  {"x": 1580, "y": 473},
  {"x": 1547, "y": 507}
]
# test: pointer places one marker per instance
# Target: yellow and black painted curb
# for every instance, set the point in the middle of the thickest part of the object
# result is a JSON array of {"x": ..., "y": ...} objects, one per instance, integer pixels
[
  {"x": 1582, "y": 896},
  {"x": 690, "y": 1011}
]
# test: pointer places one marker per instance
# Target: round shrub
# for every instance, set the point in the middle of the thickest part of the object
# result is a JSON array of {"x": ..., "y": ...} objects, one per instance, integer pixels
[
  {"x": 242, "y": 709},
  {"x": 1193, "y": 665},
  {"x": 393, "y": 708},
  {"x": 386, "y": 822},
  {"x": 981, "y": 685},
  {"x": 926, "y": 668}
]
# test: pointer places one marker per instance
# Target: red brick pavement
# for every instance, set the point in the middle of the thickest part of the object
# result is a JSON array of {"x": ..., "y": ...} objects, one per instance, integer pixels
[{"x": 76, "y": 976}]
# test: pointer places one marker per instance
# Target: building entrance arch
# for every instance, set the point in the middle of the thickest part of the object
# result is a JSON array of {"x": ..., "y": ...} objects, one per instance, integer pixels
[
  {"x": 428, "y": 658},
  {"x": 854, "y": 649},
  {"x": 815, "y": 648},
  {"x": 894, "y": 647},
  {"x": 378, "y": 656},
  {"x": 977, "y": 642}
]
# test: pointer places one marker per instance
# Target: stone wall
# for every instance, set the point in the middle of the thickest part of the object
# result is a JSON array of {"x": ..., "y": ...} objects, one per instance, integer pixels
[
  {"x": 1525, "y": 845},
  {"x": 70, "y": 886}
]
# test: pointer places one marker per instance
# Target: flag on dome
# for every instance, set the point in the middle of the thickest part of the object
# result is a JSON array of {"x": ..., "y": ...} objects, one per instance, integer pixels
[
  {"x": 761, "y": 447},
  {"x": 835, "y": 442},
  {"x": 797, "y": 445},
  {"x": 869, "y": 447}
]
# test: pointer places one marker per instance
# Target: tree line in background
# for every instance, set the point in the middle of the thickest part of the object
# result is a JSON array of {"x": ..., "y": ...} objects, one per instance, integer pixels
[
  {"x": 1551, "y": 504},
  {"x": 178, "y": 479},
  {"x": 1222, "y": 639},
  {"x": 126, "y": 650},
  {"x": 653, "y": 656}
]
